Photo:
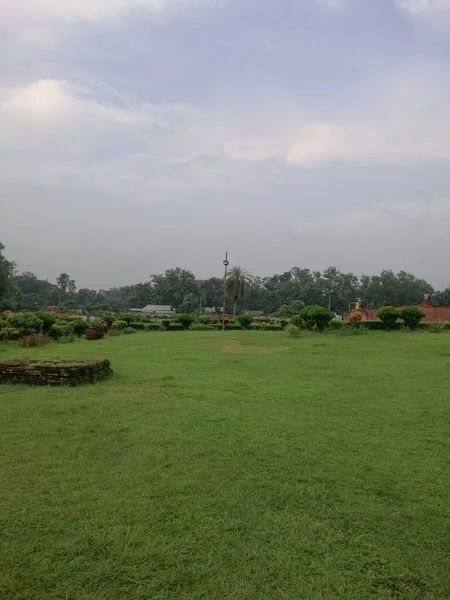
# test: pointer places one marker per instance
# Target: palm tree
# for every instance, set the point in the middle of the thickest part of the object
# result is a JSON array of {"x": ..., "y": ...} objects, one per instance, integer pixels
[{"x": 238, "y": 282}]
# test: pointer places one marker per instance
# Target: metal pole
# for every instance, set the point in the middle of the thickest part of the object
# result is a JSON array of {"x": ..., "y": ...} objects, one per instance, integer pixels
[{"x": 226, "y": 263}]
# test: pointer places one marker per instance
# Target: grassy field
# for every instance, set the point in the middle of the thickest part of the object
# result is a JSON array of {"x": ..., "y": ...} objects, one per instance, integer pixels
[{"x": 244, "y": 465}]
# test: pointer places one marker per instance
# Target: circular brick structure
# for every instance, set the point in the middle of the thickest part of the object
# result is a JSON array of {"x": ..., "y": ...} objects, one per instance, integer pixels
[{"x": 54, "y": 371}]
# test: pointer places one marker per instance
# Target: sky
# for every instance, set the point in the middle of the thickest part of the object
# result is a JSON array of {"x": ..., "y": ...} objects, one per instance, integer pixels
[{"x": 139, "y": 135}]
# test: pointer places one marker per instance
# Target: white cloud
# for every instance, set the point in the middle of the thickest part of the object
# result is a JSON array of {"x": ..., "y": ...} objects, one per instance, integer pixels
[
  {"x": 436, "y": 12},
  {"x": 56, "y": 131},
  {"x": 87, "y": 10}
]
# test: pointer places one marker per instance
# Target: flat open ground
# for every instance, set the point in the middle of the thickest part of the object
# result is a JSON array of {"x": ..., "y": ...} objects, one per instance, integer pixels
[{"x": 244, "y": 465}]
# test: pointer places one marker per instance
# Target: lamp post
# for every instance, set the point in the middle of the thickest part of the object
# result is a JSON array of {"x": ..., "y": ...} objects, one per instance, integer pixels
[{"x": 225, "y": 264}]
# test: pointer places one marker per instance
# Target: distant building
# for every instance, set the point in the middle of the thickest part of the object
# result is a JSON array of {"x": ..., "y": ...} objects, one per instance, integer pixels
[{"x": 155, "y": 310}]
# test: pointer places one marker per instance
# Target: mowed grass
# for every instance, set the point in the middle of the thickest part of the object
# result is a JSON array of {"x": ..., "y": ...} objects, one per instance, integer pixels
[{"x": 244, "y": 465}]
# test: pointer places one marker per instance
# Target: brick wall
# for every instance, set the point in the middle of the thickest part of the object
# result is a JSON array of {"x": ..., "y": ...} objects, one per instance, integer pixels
[{"x": 433, "y": 313}]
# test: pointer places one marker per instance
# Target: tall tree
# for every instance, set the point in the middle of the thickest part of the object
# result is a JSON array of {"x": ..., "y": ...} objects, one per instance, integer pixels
[
  {"x": 6, "y": 273},
  {"x": 65, "y": 285},
  {"x": 238, "y": 282}
]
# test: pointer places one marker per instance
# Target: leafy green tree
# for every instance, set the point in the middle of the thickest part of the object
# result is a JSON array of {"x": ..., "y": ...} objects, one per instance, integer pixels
[
  {"x": 245, "y": 321},
  {"x": 6, "y": 273},
  {"x": 317, "y": 317},
  {"x": 412, "y": 315},
  {"x": 190, "y": 303},
  {"x": 172, "y": 287},
  {"x": 389, "y": 315},
  {"x": 238, "y": 282},
  {"x": 65, "y": 286}
]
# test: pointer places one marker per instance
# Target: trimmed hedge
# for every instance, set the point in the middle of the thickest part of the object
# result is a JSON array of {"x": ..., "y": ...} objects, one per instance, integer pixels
[
  {"x": 137, "y": 325},
  {"x": 200, "y": 327},
  {"x": 152, "y": 327},
  {"x": 175, "y": 327},
  {"x": 274, "y": 327}
]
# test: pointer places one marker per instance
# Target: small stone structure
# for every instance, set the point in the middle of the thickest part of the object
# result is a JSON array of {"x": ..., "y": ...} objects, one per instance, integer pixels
[{"x": 54, "y": 372}]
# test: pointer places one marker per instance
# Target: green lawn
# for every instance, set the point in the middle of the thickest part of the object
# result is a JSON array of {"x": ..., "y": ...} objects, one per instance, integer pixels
[{"x": 243, "y": 465}]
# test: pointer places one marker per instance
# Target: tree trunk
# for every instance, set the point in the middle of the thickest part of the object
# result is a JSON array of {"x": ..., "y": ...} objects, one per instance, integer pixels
[{"x": 234, "y": 309}]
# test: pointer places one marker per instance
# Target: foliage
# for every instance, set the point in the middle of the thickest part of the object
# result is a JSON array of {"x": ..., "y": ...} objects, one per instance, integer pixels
[
  {"x": 95, "y": 334},
  {"x": 273, "y": 327},
  {"x": 56, "y": 331},
  {"x": 25, "y": 323},
  {"x": 98, "y": 324},
  {"x": 186, "y": 320},
  {"x": 233, "y": 327},
  {"x": 255, "y": 327},
  {"x": 47, "y": 319},
  {"x": 389, "y": 316},
  {"x": 34, "y": 340},
  {"x": 117, "y": 324},
  {"x": 175, "y": 327},
  {"x": 108, "y": 318},
  {"x": 79, "y": 327},
  {"x": 6, "y": 273},
  {"x": 298, "y": 321},
  {"x": 355, "y": 317},
  {"x": 412, "y": 315},
  {"x": 200, "y": 327},
  {"x": 245, "y": 321},
  {"x": 130, "y": 330},
  {"x": 9, "y": 334},
  {"x": 316, "y": 317},
  {"x": 436, "y": 327},
  {"x": 115, "y": 332},
  {"x": 293, "y": 331},
  {"x": 139, "y": 326},
  {"x": 238, "y": 283},
  {"x": 152, "y": 327},
  {"x": 203, "y": 319}
]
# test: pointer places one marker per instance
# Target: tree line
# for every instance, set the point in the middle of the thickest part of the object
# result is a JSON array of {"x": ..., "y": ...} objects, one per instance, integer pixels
[{"x": 282, "y": 294}]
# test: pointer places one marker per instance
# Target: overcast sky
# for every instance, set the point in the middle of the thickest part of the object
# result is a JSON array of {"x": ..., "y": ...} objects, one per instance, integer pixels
[{"x": 138, "y": 135}]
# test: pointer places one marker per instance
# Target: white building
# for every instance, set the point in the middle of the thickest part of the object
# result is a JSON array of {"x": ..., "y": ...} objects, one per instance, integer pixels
[{"x": 155, "y": 310}]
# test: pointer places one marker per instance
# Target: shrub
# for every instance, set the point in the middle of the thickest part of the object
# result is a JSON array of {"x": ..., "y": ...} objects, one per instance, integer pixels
[
  {"x": 316, "y": 317},
  {"x": 200, "y": 327},
  {"x": 9, "y": 334},
  {"x": 298, "y": 321},
  {"x": 274, "y": 327},
  {"x": 204, "y": 320},
  {"x": 233, "y": 327},
  {"x": 185, "y": 320},
  {"x": 175, "y": 327},
  {"x": 255, "y": 327},
  {"x": 115, "y": 332},
  {"x": 354, "y": 330},
  {"x": 389, "y": 316},
  {"x": 412, "y": 315},
  {"x": 293, "y": 330},
  {"x": 436, "y": 327},
  {"x": 117, "y": 324},
  {"x": 25, "y": 323},
  {"x": 128, "y": 318},
  {"x": 109, "y": 319},
  {"x": 355, "y": 317},
  {"x": 34, "y": 340},
  {"x": 99, "y": 324},
  {"x": 137, "y": 325},
  {"x": 95, "y": 334},
  {"x": 129, "y": 330},
  {"x": 245, "y": 321},
  {"x": 47, "y": 320},
  {"x": 165, "y": 323},
  {"x": 153, "y": 327},
  {"x": 79, "y": 327},
  {"x": 56, "y": 332}
]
